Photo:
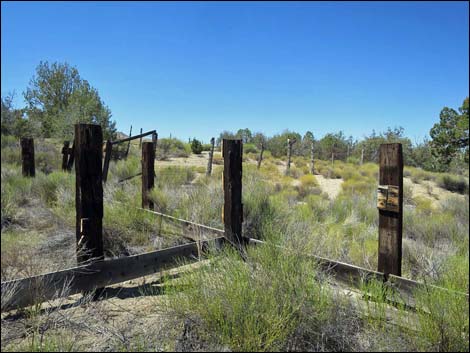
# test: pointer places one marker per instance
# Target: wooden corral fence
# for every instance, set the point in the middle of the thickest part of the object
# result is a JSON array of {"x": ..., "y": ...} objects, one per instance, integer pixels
[{"x": 93, "y": 272}]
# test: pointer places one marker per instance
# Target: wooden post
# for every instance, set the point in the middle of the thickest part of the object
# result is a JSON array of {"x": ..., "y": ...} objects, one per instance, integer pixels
[
  {"x": 312, "y": 168},
  {"x": 154, "y": 141},
  {"x": 27, "y": 156},
  {"x": 362, "y": 156},
  {"x": 128, "y": 144},
  {"x": 65, "y": 155},
  {"x": 289, "y": 154},
  {"x": 140, "y": 140},
  {"x": 88, "y": 192},
  {"x": 71, "y": 158},
  {"x": 107, "y": 159},
  {"x": 211, "y": 156},
  {"x": 260, "y": 158},
  {"x": 148, "y": 173},
  {"x": 232, "y": 152},
  {"x": 391, "y": 222}
]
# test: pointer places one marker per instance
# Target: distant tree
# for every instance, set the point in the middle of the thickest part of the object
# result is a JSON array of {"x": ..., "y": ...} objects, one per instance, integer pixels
[
  {"x": 450, "y": 135},
  {"x": 13, "y": 122},
  {"x": 245, "y": 135},
  {"x": 57, "y": 97},
  {"x": 278, "y": 143},
  {"x": 333, "y": 144},
  {"x": 258, "y": 139},
  {"x": 196, "y": 146},
  {"x": 225, "y": 135}
]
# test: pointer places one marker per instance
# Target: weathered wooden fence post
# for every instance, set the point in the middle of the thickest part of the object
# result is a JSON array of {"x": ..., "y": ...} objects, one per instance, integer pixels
[
  {"x": 290, "y": 142},
  {"x": 128, "y": 144},
  {"x": 390, "y": 205},
  {"x": 232, "y": 152},
  {"x": 154, "y": 141},
  {"x": 312, "y": 160},
  {"x": 211, "y": 156},
  {"x": 148, "y": 173},
  {"x": 107, "y": 158},
  {"x": 88, "y": 192},
  {"x": 27, "y": 156},
  {"x": 260, "y": 158},
  {"x": 65, "y": 155}
]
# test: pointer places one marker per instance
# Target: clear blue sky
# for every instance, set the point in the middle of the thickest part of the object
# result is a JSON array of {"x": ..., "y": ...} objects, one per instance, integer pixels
[{"x": 195, "y": 69}]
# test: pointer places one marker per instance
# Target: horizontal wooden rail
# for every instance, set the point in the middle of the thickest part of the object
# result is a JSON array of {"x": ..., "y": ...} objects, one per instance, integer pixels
[
  {"x": 133, "y": 137},
  {"x": 31, "y": 290}
]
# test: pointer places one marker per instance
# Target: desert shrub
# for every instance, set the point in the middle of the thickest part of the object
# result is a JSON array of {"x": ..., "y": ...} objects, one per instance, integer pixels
[
  {"x": 256, "y": 305},
  {"x": 358, "y": 186},
  {"x": 173, "y": 176},
  {"x": 250, "y": 148},
  {"x": 196, "y": 146},
  {"x": 159, "y": 199},
  {"x": 206, "y": 147},
  {"x": 46, "y": 186},
  {"x": 47, "y": 161},
  {"x": 125, "y": 168},
  {"x": 453, "y": 183}
]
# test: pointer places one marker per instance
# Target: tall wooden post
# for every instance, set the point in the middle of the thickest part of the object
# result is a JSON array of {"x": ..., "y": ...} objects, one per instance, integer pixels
[
  {"x": 289, "y": 154},
  {"x": 211, "y": 156},
  {"x": 140, "y": 140},
  {"x": 129, "y": 143},
  {"x": 232, "y": 152},
  {"x": 88, "y": 192},
  {"x": 65, "y": 154},
  {"x": 27, "y": 156},
  {"x": 312, "y": 159},
  {"x": 260, "y": 158},
  {"x": 154, "y": 141},
  {"x": 148, "y": 173},
  {"x": 107, "y": 159},
  {"x": 390, "y": 204}
]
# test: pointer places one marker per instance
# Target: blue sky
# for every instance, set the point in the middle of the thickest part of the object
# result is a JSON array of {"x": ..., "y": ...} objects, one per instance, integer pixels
[{"x": 193, "y": 69}]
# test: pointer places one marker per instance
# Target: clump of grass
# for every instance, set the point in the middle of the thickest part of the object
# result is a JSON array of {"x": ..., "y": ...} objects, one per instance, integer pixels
[
  {"x": 255, "y": 305},
  {"x": 453, "y": 183},
  {"x": 173, "y": 176}
]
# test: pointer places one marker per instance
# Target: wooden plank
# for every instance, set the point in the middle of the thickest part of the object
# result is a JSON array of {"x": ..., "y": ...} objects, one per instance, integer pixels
[
  {"x": 71, "y": 158},
  {"x": 65, "y": 154},
  {"x": 87, "y": 278},
  {"x": 140, "y": 140},
  {"x": 107, "y": 159},
  {"x": 232, "y": 152},
  {"x": 88, "y": 192},
  {"x": 148, "y": 173},
  {"x": 134, "y": 137},
  {"x": 211, "y": 156},
  {"x": 129, "y": 144},
  {"x": 27, "y": 157},
  {"x": 312, "y": 159},
  {"x": 391, "y": 222},
  {"x": 260, "y": 158}
]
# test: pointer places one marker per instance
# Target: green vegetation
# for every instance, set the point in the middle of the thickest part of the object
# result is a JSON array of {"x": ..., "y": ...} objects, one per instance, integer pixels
[{"x": 196, "y": 146}]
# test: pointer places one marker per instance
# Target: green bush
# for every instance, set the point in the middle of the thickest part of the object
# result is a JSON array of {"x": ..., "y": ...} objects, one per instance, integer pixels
[
  {"x": 453, "y": 183},
  {"x": 196, "y": 146}
]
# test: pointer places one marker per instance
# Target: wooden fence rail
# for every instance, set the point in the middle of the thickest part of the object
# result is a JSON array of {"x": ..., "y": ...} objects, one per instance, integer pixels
[{"x": 31, "y": 290}]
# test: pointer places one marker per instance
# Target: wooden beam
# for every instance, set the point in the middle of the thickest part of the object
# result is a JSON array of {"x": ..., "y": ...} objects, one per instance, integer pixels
[
  {"x": 88, "y": 192},
  {"x": 134, "y": 137},
  {"x": 211, "y": 156},
  {"x": 312, "y": 159},
  {"x": 107, "y": 159},
  {"x": 148, "y": 173},
  {"x": 391, "y": 222},
  {"x": 71, "y": 157},
  {"x": 32, "y": 290},
  {"x": 27, "y": 157},
  {"x": 260, "y": 158},
  {"x": 232, "y": 152},
  {"x": 129, "y": 144},
  {"x": 65, "y": 154}
]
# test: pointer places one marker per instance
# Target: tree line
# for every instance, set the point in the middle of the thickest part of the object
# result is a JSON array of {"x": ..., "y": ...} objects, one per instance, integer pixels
[
  {"x": 447, "y": 149},
  {"x": 57, "y": 97}
]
